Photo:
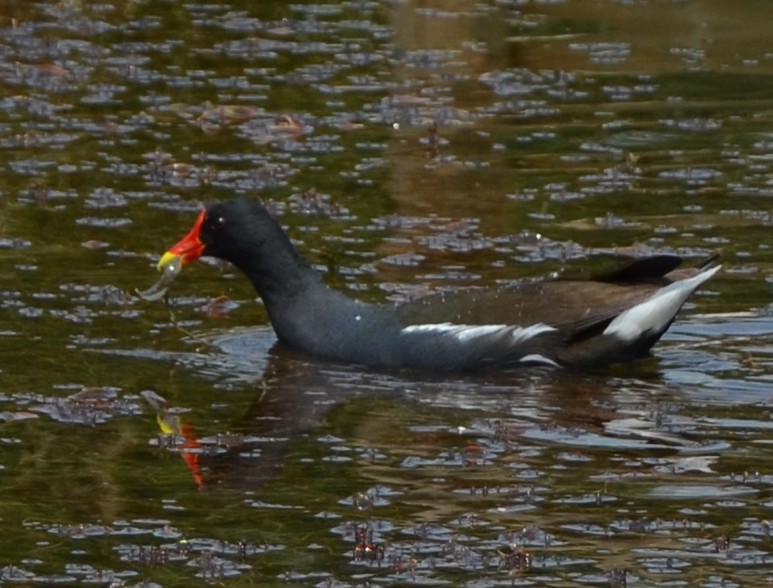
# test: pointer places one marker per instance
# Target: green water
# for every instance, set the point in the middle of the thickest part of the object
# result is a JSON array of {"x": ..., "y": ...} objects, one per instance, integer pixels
[{"x": 407, "y": 147}]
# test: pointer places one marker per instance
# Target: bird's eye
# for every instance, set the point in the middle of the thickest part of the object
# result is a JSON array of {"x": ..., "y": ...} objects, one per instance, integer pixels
[{"x": 218, "y": 223}]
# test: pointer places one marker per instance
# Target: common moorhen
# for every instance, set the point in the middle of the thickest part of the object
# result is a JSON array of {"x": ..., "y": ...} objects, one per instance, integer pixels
[{"x": 607, "y": 318}]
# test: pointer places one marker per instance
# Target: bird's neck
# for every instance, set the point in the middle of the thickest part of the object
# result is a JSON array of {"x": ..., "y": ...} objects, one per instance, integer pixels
[
  {"x": 301, "y": 306},
  {"x": 284, "y": 276}
]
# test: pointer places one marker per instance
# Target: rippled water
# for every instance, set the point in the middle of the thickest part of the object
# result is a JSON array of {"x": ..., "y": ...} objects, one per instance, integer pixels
[{"x": 408, "y": 147}]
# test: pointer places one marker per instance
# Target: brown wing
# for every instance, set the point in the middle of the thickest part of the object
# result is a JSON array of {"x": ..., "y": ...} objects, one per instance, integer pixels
[
  {"x": 578, "y": 309},
  {"x": 571, "y": 303}
]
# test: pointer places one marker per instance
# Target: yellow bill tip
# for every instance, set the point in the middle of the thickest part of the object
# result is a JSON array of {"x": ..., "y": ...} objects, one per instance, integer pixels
[{"x": 166, "y": 259}]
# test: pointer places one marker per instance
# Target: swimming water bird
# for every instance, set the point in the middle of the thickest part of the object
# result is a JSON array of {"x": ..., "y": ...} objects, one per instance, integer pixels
[{"x": 608, "y": 318}]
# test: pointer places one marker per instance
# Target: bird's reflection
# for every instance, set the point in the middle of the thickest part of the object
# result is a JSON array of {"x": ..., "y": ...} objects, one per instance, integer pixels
[{"x": 293, "y": 394}]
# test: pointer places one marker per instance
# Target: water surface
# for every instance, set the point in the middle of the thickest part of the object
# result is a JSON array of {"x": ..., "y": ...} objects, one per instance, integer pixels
[{"x": 408, "y": 147}]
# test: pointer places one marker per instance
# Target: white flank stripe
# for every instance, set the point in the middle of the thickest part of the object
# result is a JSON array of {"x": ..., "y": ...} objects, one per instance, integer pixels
[
  {"x": 461, "y": 332},
  {"x": 654, "y": 314},
  {"x": 537, "y": 358},
  {"x": 465, "y": 333},
  {"x": 521, "y": 334}
]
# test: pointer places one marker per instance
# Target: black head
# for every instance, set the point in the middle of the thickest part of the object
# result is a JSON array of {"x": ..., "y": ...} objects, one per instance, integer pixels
[
  {"x": 236, "y": 229},
  {"x": 240, "y": 231}
]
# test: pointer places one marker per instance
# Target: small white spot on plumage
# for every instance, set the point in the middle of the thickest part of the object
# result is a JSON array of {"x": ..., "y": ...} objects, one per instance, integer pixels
[
  {"x": 358, "y": 318},
  {"x": 652, "y": 315}
]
